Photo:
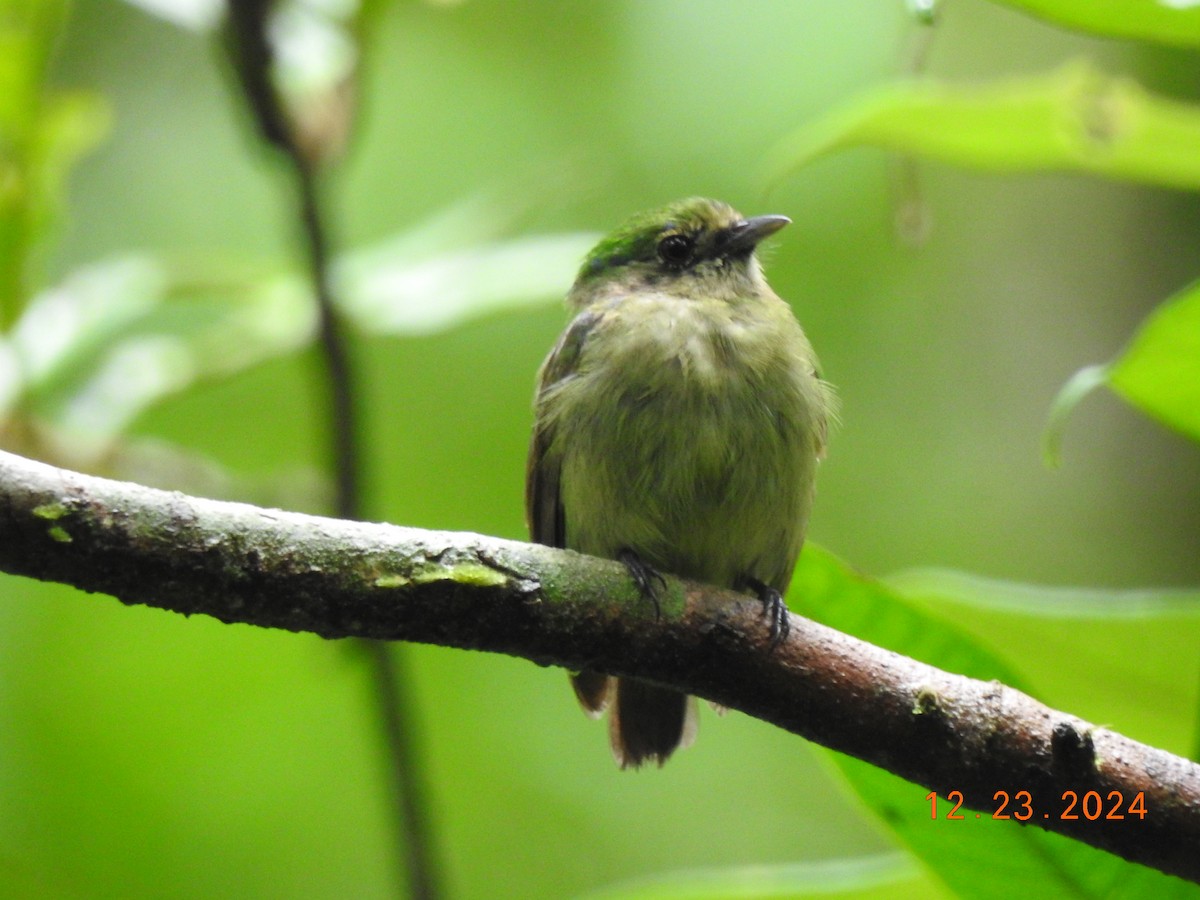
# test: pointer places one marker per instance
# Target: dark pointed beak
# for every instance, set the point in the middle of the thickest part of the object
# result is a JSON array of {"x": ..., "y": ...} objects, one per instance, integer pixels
[{"x": 744, "y": 236}]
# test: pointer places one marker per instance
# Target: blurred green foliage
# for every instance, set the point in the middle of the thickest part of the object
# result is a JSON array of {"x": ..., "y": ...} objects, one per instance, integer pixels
[
  {"x": 1160, "y": 370},
  {"x": 42, "y": 133},
  {"x": 163, "y": 336},
  {"x": 1172, "y": 21},
  {"x": 1075, "y": 119}
]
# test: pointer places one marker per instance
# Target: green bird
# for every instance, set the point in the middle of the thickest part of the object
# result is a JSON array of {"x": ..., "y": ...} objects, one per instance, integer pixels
[{"x": 678, "y": 423}]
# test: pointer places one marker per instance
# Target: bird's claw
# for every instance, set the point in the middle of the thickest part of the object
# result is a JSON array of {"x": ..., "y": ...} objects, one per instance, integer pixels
[
  {"x": 648, "y": 580},
  {"x": 774, "y": 609}
]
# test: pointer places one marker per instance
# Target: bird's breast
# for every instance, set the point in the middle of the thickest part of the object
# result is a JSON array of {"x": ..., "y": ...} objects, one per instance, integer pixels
[{"x": 690, "y": 426}]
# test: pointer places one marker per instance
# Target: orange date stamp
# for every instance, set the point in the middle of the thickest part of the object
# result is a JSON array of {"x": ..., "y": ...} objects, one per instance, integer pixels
[{"x": 1090, "y": 806}]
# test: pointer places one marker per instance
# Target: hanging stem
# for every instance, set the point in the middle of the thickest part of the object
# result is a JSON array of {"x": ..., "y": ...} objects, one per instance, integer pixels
[
  {"x": 393, "y": 705},
  {"x": 252, "y": 56},
  {"x": 338, "y": 376}
]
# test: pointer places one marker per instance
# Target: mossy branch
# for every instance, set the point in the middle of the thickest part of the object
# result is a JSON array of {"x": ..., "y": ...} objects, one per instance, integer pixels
[{"x": 241, "y": 563}]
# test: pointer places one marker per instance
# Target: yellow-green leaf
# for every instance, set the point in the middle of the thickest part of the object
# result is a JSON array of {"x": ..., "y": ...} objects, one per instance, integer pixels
[
  {"x": 1164, "y": 21},
  {"x": 1160, "y": 370},
  {"x": 1074, "y": 119},
  {"x": 912, "y": 616}
]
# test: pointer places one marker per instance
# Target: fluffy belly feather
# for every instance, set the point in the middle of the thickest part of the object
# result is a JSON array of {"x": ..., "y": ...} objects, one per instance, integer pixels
[{"x": 708, "y": 471}]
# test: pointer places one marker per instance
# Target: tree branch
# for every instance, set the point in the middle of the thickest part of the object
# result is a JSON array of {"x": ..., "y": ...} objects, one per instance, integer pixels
[{"x": 240, "y": 563}]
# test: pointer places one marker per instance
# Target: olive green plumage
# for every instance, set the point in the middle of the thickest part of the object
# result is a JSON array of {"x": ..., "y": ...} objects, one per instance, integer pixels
[{"x": 679, "y": 421}]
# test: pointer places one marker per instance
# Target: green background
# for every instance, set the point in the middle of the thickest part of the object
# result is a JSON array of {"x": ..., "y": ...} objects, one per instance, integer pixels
[{"x": 143, "y": 754}]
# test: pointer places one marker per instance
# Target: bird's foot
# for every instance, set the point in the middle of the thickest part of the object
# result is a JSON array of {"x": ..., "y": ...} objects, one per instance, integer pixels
[
  {"x": 774, "y": 609},
  {"x": 649, "y": 581}
]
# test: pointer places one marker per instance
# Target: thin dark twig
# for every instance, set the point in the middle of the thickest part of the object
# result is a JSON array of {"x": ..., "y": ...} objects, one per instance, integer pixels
[
  {"x": 393, "y": 706},
  {"x": 338, "y": 376},
  {"x": 252, "y": 56},
  {"x": 391, "y": 681}
]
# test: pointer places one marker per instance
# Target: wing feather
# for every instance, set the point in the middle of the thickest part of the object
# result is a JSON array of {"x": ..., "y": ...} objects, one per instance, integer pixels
[{"x": 543, "y": 504}]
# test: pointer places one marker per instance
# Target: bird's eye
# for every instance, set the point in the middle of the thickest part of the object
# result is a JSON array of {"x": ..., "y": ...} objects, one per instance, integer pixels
[{"x": 676, "y": 250}]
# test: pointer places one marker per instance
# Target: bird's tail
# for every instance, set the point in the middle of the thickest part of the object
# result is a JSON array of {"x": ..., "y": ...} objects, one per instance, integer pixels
[{"x": 649, "y": 723}]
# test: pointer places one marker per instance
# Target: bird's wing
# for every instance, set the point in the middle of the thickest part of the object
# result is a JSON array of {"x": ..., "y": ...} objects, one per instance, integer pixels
[
  {"x": 543, "y": 501},
  {"x": 543, "y": 506}
]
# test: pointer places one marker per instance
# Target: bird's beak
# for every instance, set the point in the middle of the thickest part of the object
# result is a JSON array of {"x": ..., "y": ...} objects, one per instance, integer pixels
[{"x": 745, "y": 235}]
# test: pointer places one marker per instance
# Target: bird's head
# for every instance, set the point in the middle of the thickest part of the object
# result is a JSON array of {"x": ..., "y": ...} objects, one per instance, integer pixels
[{"x": 690, "y": 248}]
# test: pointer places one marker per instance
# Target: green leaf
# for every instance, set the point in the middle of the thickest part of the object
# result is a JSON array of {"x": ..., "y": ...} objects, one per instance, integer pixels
[
  {"x": 1075, "y": 119},
  {"x": 113, "y": 339},
  {"x": 1165, "y": 21},
  {"x": 1159, "y": 372},
  {"x": 1077, "y": 604},
  {"x": 1131, "y": 656},
  {"x": 91, "y": 354},
  {"x": 456, "y": 266},
  {"x": 885, "y": 875},
  {"x": 390, "y": 289},
  {"x": 1018, "y": 860}
]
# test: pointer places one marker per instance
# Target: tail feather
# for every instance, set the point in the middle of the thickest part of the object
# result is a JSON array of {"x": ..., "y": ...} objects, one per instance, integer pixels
[
  {"x": 593, "y": 690},
  {"x": 648, "y": 723}
]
